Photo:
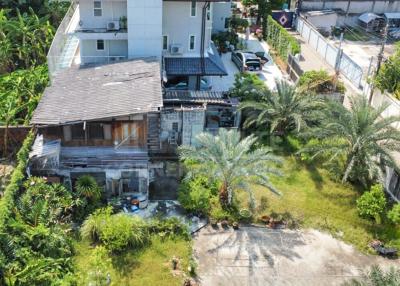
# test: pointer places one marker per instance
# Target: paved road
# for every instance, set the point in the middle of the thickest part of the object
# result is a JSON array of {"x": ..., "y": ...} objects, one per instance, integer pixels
[{"x": 255, "y": 256}]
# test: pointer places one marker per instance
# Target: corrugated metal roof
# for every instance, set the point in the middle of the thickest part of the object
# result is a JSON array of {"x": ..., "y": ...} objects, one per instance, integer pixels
[
  {"x": 392, "y": 15},
  {"x": 202, "y": 96},
  {"x": 213, "y": 65},
  {"x": 368, "y": 17},
  {"x": 101, "y": 91}
]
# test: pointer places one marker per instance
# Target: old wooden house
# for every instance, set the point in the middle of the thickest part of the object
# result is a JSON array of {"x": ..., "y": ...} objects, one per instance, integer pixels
[{"x": 116, "y": 123}]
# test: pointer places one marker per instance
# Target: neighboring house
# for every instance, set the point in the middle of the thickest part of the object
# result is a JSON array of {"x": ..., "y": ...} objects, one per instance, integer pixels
[
  {"x": 222, "y": 12},
  {"x": 322, "y": 20},
  {"x": 348, "y": 10},
  {"x": 371, "y": 22},
  {"x": 112, "y": 118},
  {"x": 179, "y": 31}
]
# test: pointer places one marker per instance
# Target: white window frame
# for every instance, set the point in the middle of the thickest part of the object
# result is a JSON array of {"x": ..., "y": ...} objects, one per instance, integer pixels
[
  {"x": 191, "y": 9},
  {"x": 97, "y": 45},
  {"x": 163, "y": 36},
  {"x": 194, "y": 42},
  {"x": 98, "y": 9}
]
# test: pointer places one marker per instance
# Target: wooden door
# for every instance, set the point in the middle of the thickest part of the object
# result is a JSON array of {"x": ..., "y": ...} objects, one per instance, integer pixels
[{"x": 128, "y": 134}]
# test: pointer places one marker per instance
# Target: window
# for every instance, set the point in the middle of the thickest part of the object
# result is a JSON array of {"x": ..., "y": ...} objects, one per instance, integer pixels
[
  {"x": 77, "y": 132},
  {"x": 209, "y": 12},
  {"x": 192, "y": 42},
  {"x": 97, "y": 10},
  {"x": 193, "y": 8},
  {"x": 175, "y": 126},
  {"x": 96, "y": 131},
  {"x": 100, "y": 45},
  {"x": 165, "y": 42},
  {"x": 226, "y": 23}
]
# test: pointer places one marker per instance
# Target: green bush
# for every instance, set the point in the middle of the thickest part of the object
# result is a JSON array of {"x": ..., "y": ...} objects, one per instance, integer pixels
[
  {"x": 320, "y": 82},
  {"x": 238, "y": 24},
  {"x": 372, "y": 204},
  {"x": 7, "y": 203},
  {"x": 248, "y": 87},
  {"x": 194, "y": 195},
  {"x": 394, "y": 214},
  {"x": 281, "y": 40},
  {"x": 89, "y": 197},
  {"x": 115, "y": 231},
  {"x": 170, "y": 227}
]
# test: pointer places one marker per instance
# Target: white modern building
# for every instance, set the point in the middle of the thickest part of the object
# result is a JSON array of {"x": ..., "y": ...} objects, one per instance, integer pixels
[{"x": 178, "y": 32}]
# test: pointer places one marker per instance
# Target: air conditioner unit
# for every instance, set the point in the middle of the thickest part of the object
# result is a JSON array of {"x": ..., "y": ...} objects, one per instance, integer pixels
[
  {"x": 176, "y": 49},
  {"x": 113, "y": 26}
]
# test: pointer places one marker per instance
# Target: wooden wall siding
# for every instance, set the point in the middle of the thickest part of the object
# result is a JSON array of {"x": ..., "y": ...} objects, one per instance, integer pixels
[{"x": 116, "y": 133}]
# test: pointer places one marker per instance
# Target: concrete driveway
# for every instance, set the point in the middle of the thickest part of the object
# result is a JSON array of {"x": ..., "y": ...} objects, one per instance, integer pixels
[
  {"x": 270, "y": 73},
  {"x": 257, "y": 256}
]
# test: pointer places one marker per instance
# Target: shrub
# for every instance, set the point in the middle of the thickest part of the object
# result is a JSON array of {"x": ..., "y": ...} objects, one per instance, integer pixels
[
  {"x": 87, "y": 187},
  {"x": 92, "y": 226},
  {"x": 394, "y": 214},
  {"x": 116, "y": 232},
  {"x": 372, "y": 204},
  {"x": 7, "y": 202},
  {"x": 170, "y": 227},
  {"x": 377, "y": 277},
  {"x": 281, "y": 40},
  {"x": 320, "y": 82},
  {"x": 194, "y": 195},
  {"x": 248, "y": 86},
  {"x": 123, "y": 231}
]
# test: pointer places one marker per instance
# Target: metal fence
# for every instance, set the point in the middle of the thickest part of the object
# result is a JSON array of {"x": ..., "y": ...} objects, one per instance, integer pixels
[{"x": 330, "y": 53}]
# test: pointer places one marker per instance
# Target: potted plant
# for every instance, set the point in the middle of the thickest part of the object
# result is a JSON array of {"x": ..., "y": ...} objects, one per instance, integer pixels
[
  {"x": 213, "y": 222},
  {"x": 235, "y": 225},
  {"x": 224, "y": 223},
  {"x": 265, "y": 219},
  {"x": 123, "y": 21}
]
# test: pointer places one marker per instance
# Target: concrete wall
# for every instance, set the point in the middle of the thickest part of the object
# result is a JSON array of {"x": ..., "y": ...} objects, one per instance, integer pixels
[
  {"x": 221, "y": 11},
  {"x": 112, "y": 11},
  {"x": 178, "y": 25},
  {"x": 357, "y": 7},
  {"x": 144, "y": 28},
  {"x": 322, "y": 22},
  {"x": 112, "y": 48}
]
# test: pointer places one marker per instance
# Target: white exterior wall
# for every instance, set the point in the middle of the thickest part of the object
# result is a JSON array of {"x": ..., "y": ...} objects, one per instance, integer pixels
[
  {"x": 112, "y": 11},
  {"x": 112, "y": 48},
  {"x": 356, "y": 7},
  {"x": 178, "y": 25},
  {"x": 144, "y": 28},
  {"x": 221, "y": 11}
]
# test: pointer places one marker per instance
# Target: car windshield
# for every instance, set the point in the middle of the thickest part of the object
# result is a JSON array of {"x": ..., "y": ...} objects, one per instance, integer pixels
[{"x": 253, "y": 63}]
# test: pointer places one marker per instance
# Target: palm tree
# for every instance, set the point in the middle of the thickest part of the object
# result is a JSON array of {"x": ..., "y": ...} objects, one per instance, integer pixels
[
  {"x": 87, "y": 187},
  {"x": 231, "y": 161},
  {"x": 283, "y": 111},
  {"x": 361, "y": 135}
]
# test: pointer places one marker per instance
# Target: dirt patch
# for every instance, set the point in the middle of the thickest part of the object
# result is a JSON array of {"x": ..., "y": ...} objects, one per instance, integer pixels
[{"x": 260, "y": 256}]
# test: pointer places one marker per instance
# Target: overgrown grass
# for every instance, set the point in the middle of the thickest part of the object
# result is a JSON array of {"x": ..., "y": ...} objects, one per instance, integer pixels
[
  {"x": 148, "y": 266},
  {"x": 355, "y": 34},
  {"x": 312, "y": 198}
]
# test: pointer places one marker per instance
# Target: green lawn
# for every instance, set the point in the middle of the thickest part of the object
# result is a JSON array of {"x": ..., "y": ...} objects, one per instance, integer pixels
[
  {"x": 149, "y": 266},
  {"x": 356, "y": 34},
  {"x": 311, "y": 197}
]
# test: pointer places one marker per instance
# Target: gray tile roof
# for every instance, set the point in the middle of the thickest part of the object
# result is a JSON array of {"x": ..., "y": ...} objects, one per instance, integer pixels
[
  {"x": 101, "y": 91},
  {"x": 183, "y": 96},
  {"x": 213, "y": 65}
]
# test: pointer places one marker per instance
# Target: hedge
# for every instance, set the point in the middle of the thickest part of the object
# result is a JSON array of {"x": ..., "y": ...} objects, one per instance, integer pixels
[
  {"x": 17, "y": 178},
  {"x": 281, "y": 40}
]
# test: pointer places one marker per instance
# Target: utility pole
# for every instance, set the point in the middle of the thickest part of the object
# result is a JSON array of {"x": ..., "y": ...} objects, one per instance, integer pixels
[
  {"x": 338, "y": 60},
  {"x": 379, "y": 63}
]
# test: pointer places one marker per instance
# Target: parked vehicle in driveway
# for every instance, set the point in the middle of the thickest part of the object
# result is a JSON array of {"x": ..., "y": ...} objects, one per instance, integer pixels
[{"x": 246, "y": 61}]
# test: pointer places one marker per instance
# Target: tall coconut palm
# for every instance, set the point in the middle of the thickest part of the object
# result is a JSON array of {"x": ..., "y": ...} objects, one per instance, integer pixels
[
  {"x": 361, "y": 135},
  {"x": 283, "y": 111},
  {"x": 231, "y": 161}
]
